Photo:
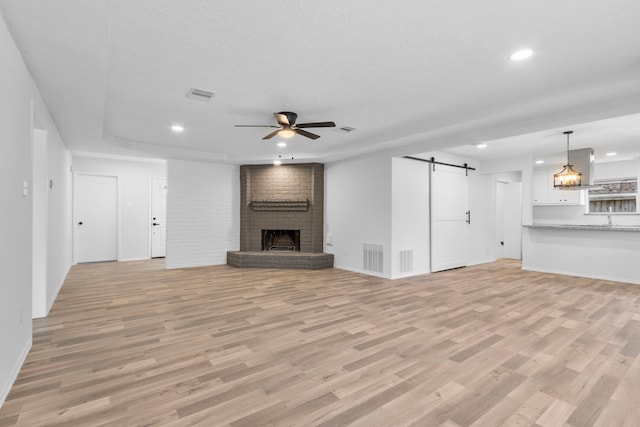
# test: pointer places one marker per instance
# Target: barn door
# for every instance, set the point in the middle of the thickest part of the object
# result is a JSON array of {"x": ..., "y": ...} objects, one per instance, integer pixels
[{"x": 450, "y": 217}]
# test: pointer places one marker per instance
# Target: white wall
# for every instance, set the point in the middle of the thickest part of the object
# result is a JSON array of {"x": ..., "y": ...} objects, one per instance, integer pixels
[
  {"x": 358, "y": 210},
  {"x": 59, "y": 187},
  {"x": 203, "y": 213},
  {"x": 505, "y": 168},
  {"x": 385, "y": 200},
  {"x": 410, "y": 214},
  {"x": 617, "y": 169},
  {"x": 134, "y": 197},
  {"x": 19, "y": 104}
]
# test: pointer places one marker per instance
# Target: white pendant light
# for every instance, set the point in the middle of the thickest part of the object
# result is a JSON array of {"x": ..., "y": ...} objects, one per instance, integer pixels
[{"x": 567, "y": 177}]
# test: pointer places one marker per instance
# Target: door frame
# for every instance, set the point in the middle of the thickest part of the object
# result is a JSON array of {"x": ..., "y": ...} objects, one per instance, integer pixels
[
  {"x": 40, "y": 222},
  {"x": 507, "y": 202},
  {"x": 74, "y": 211}
]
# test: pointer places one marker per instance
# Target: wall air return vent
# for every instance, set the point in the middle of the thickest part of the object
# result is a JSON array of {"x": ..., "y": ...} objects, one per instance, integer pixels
[
  {"x": 372, "y": 257},
  {"x": 200, "y": 94},
  {"x": 405, "y": 261}
]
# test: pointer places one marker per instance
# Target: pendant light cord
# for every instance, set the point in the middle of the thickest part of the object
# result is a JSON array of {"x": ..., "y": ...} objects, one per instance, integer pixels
[{"x": 569, "y": 132}]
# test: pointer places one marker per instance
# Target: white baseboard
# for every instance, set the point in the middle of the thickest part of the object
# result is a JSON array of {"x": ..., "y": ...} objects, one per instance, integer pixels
[
  {"x": 133, "y": 259},
  {"x": 588, "y": 276},
  {"x": 410, "y": 274},
  {"x": 368, "y": 273},
  {"x": 486, "y": 261},
  {"x": 6, "y": 388}
]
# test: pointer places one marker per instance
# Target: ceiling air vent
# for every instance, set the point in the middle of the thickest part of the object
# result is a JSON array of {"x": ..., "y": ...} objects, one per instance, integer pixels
[
  {"x": 345, "y": 129},
  {"x": 200, "y": 94}
]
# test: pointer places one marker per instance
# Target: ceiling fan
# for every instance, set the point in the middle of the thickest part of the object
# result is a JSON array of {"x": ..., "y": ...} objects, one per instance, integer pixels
[{"x": 288, "y": 126}]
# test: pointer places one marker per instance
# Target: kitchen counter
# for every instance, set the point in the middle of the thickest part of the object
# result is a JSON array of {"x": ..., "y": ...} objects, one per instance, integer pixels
[
  {"x": 595, "y": 251},
  {"x": 590, "y": 227}
]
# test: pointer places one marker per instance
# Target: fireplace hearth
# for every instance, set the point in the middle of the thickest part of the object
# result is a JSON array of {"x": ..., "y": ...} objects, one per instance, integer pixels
[{"x": 281, "y": 240}]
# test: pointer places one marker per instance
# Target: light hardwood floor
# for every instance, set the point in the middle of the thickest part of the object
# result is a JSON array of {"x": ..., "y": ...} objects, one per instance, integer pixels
[{"x": 130, "y": 344}]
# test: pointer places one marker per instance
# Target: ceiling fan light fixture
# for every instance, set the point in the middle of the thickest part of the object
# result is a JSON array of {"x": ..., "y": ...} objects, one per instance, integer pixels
[
  {"x": 567, "y": 177},
  {"x": 286, "y": 132},
  {"x": 282, "y": 144}
]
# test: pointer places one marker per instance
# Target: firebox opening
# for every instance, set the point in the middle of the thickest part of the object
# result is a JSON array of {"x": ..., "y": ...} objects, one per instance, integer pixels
[{"x": 281, "y": 240}]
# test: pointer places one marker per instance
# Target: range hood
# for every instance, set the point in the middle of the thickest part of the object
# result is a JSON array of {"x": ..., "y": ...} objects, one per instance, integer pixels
[{"x": 582, "y": 161}]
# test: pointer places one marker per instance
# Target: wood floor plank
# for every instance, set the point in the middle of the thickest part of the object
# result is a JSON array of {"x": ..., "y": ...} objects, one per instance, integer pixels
[{"x": 132, "y": 344}]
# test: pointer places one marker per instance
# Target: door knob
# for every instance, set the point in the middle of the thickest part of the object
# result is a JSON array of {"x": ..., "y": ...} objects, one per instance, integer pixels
[
  {"x": 80, "y": 223},
  {"x": 154, "y": 223}
]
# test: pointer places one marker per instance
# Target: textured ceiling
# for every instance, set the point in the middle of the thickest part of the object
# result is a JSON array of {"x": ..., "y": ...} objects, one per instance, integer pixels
[{"x": 409, "y": 77}]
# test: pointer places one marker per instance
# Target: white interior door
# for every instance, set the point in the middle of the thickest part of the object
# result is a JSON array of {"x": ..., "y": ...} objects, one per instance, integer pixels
[
  {"x": 95, "y": 218},
  {"x": 449, "y": 215},
  {"x": 512, "y": 218},
  {"x": 158, "y": 217}
]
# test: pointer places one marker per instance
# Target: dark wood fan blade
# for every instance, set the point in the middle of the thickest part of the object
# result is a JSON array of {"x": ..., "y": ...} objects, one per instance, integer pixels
[
  {"x": 307, "y": 134},
  {"x": 272, "y": 134},
  {"x": 256, "y": 126},
  {"x": 282, "y": 119},
  {"x": 316, "y": 125}
]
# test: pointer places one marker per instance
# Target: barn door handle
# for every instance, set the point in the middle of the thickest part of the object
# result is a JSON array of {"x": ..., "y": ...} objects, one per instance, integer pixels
[{"x": 468, "y": 213}]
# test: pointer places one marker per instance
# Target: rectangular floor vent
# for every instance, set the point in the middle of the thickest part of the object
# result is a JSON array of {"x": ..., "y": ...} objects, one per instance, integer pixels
[
  {"x": 405, "y": 261},
  {"x": 372, "y": 257}
]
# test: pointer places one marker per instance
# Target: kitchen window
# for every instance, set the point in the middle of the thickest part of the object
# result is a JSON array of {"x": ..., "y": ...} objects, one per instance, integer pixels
[{"x": 621, "y": 194}]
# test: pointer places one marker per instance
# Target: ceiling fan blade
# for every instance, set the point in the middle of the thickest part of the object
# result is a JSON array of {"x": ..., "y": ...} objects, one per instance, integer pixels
[
  {"x": 316, "y": 125},
  {"x": 256, "y": 126},
  {"x": 282, "y": 118},
  {"x": 272, "y": 134},
  {"x": 307, "y": 134}
]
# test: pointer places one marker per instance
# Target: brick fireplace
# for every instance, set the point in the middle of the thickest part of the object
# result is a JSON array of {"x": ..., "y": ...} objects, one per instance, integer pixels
[{"x": 285, "y": 203}]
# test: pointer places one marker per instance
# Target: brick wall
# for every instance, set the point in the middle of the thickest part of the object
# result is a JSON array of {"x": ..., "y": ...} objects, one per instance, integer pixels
[
  {"x": 284, "y": 183},
  {"x": 202, "y": 213}
]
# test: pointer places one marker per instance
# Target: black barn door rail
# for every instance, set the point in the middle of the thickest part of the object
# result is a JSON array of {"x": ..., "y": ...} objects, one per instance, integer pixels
[{"x": 433, "y": 161}]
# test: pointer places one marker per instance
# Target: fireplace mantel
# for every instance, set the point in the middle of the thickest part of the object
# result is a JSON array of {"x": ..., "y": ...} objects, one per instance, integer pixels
[{"x": 280, "y": 205}]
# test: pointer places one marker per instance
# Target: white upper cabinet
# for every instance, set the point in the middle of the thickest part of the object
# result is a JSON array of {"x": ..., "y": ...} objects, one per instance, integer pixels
[{"x": 545, "y": 194}]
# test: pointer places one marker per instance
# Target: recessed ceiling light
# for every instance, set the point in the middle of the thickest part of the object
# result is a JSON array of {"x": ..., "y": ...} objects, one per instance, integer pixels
[
  {"x": 521, "y": 55},
  {"x": 177, "y": 128},
  {"x": 282, "y": 144},
  {"x": 277, "y": 162},
  {"x": 539, "y": 162},
  {"x": 611, "y": 154},
  {"x": 481, "y": 145}
]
